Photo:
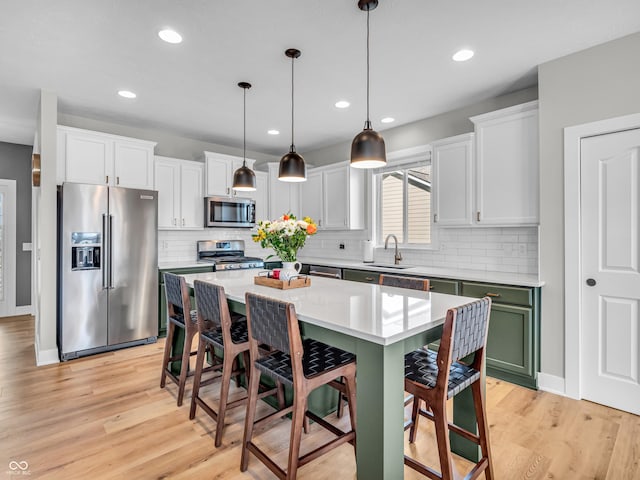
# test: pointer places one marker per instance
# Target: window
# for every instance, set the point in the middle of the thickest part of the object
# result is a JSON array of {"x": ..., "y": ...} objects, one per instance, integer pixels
[{"x": 404, "y": 206}]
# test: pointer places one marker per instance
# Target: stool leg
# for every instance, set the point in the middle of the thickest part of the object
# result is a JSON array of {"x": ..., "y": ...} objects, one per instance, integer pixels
[
  {"x": 439, "y": 410},
  {"x": 250, "y": 417},
  {"x": 227, "y": 368},
  {"x": 414, "y": 419},
  {"x": 340, "y": 410},
  {"x": 167, "y": 353},
  {"x": 297, "y": 422},
  {"x": 350, "y": 382},
  {"x": 483, "y": 428},
  {"x": 184, "y": 368},
  {"x": 202, "y": 348}
]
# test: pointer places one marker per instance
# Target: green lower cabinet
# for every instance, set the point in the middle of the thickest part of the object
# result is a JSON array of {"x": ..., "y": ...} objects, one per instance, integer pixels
[
  {"x": 451, "y": 287},
  {"x": 360, "y": 276}
]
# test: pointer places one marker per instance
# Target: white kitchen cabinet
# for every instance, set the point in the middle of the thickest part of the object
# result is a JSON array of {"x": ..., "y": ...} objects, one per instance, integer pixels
[
  {"x": 311, "y": 197},
  {"x": 507, "y": 166},
  {"x": 334, "y": 197},
  {"x": 284, "y": 197},
  {"x": 220, "y": 170},
  {"x": 453, "y": 187},
  {"x": 180, "y": 194},
  {"x": 85, "y": 156}
]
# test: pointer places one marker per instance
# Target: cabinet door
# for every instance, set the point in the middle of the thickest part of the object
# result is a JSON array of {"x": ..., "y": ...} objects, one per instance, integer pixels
[
  {"x": 360, "y": 276},
  {"x": 510, "y": 340},
  {"x": 192, "y": 196},
  {"x": 219, "y": 176},
  {"x": 311, "y": 198},
  {"x": 336, "y": 198},
  {"x": 89, "y": 158},
  {"x": 452, "y": 186},
  {"x": 133, "y": 165},
  {"x": 284, "y": 197},
  {"x": 167, "y": 183},
  {"x": 261, "y": 196},
  {"x": 507, "y": 168}
]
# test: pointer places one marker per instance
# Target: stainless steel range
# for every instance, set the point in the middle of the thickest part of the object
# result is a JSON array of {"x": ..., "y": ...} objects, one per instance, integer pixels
[{"x": 226, "y": 255}]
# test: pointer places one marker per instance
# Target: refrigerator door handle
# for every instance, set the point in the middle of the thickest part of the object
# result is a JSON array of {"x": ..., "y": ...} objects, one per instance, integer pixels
[
  {"x": 110, "y": 263},
  {"x": 104, "y": 254}
]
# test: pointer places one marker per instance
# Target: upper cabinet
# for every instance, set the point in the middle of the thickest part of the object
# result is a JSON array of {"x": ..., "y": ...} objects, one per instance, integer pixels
[
  {"x": 334, "y": 197},
  {"x": 261, "y": 195},
  {"x": 507, "y": 166},
  {"x": 284, "y": 197},
  {"x": 86, "y": 156},
  {"x": 220, "y": 170},
  {"x": 452, "y": 170},
  {"x": 180, "y": 194}
]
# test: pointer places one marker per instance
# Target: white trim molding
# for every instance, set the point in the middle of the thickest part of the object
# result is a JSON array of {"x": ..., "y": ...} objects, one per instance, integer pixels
[
  {"x": 551, "y": 383},
  {"x": 45, "y": 357},
  {"x": 572, "y": 239},
  {"x": 24, "y": 310}
]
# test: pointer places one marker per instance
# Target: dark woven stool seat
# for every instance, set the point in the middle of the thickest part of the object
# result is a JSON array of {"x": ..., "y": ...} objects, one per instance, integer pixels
[
  {"x": 421, "y": 366},
  {"x": 318, "y": 358},
  {"x": 179, "y": 318},
  {"x": 238, "y": 332}
]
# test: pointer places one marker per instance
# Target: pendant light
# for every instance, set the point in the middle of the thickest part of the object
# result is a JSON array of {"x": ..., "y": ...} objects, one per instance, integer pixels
[
  {"x": 244, "y": 179},
  {"x": 367, "y": 148},
  {"x": 292, "y": 166}
]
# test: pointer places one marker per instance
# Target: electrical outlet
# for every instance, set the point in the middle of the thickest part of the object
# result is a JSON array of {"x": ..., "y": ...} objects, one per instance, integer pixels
[
  {"x": 341, "y": 246},
  {"x": 522, "y": 249}
]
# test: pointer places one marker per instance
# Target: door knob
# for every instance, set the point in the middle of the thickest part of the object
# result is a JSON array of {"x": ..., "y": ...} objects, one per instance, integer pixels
[{"x": 591, "y": 282}]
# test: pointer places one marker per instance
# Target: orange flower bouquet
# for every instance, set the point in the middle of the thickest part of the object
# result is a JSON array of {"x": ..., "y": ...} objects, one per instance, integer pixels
[{"x": 285, "y": 236}]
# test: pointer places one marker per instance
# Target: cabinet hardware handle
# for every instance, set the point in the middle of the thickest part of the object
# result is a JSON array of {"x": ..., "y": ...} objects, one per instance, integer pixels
[
  {"x": 174, "y": 221},
  {"x": 107, "y": 181},
  {"x": 489, "y": 294},
  {"x": 478, "y": 216},
  {"x": 117, "y": 180},
  {"x": 435, "y": 218},
  {"x": 430, "y": 287},
  {"x": 183, "y": 222},
  {"x": 369, "y": 279},
  {"x": 227, "y": 190}
]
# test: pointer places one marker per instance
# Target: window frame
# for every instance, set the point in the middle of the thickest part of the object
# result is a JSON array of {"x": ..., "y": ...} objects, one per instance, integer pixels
[{"x": 403, "y": 160}]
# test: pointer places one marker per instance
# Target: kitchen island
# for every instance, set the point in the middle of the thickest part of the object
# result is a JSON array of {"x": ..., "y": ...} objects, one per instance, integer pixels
[{"x": 379, "y": 324}]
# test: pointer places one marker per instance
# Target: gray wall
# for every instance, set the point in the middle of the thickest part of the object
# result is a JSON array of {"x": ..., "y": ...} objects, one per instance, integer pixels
[
  {"x": 169, "y": 145},
  {"x": 427, "y": 130},
  {"x": 15, "y": 164},
  {"x": 595, "y": 84}
]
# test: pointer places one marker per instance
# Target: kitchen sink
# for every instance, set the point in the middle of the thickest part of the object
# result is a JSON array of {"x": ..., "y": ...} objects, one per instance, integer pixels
[{"x": 390, "y": 265}]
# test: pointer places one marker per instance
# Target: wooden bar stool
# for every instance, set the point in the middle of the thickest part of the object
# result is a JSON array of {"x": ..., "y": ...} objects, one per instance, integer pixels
[
  {"x": 413, "y": 283},
  {"x": 179, "y": 315},
  {"x": 435, "y": 377},
  {"x": 304, "y": 365},
  {"x": 219, "y": 330}
]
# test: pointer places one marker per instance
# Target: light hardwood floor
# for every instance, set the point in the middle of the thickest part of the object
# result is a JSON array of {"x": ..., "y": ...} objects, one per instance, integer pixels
[{"x": 105, "y": 417}]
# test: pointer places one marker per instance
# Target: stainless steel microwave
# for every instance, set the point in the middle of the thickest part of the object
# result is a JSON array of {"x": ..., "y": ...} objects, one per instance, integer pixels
[{"x": 229, "y": 212}]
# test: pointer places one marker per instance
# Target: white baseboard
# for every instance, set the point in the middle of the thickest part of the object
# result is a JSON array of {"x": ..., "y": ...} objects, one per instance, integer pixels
[
  {"x": 551, "y": 383},
  {"x": 45, "y": 357},
  {"x": 24, "y": 310}
]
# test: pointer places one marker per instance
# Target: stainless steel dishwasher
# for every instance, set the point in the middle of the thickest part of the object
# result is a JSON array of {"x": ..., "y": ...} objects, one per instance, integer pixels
[{"x": 328, "y": 272}]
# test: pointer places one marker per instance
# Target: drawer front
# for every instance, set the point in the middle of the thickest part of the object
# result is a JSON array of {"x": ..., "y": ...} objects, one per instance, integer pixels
[
  {"x": 360, "y": 276},
  {"x": 499, "y": 293},
  {"x": 444, "y": 286}
]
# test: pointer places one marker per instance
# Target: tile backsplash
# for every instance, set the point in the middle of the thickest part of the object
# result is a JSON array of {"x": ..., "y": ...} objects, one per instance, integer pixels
[{"x": 499, "y": 249}]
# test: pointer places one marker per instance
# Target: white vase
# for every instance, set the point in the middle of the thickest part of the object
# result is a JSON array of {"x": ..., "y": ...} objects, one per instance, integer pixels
[{"x": 289, "y": 270}]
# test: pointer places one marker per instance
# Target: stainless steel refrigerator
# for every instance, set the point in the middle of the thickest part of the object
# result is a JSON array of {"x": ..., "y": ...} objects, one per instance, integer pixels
[{"x": 107, "y": 268}]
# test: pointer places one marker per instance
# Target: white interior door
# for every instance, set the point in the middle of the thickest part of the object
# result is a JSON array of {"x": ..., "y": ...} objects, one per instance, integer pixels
[
  {"x": 610, "y": 231},
  {"x": 7, "y": 247}
]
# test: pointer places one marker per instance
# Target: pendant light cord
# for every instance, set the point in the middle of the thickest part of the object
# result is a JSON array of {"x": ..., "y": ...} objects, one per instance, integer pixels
[
  {"x": 368, "y": 122},
  {"x": 293, "y": 148},
  {"x": 244, "y": 138}
]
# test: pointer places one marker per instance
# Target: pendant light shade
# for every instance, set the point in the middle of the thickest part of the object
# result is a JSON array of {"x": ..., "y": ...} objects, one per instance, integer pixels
[
  {"x": 244, "y": 179},
  {"x": 367, "y": 148},
  {"x": 292, "y": 166}
]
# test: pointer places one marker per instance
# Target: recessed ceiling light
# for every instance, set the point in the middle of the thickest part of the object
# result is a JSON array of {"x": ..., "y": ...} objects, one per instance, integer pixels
[
  {"x": 462, "y": 55},
  {"x": 273, "y": 131},
  {"x": 170, "y": 36},
  {"x": 342, "y": 104},
  {"x": 127, "y": 94},
  {"x": 388, "y": 120}
]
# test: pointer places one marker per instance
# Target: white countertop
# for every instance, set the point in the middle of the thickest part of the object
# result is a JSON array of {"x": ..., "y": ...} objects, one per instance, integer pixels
[
  {"x": 379, "y": 314},
  {"x": 516, "y": 279},
  {"x": 181, "y": 264}
]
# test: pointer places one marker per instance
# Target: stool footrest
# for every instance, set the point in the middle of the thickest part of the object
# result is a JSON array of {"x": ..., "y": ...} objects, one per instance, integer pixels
[{"x": 454, "y": 428}]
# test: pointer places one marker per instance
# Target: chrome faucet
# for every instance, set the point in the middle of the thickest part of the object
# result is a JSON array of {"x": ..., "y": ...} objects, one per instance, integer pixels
[{"x": 397, "y": 256}]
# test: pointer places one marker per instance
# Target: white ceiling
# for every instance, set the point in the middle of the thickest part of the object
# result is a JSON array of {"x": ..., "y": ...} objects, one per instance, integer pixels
[{"x": 87, "y": 50}]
